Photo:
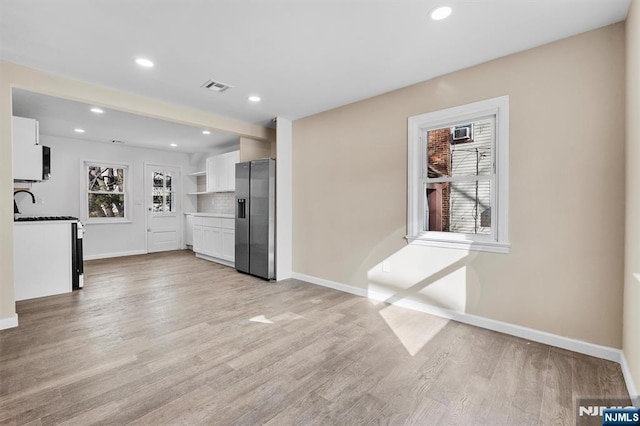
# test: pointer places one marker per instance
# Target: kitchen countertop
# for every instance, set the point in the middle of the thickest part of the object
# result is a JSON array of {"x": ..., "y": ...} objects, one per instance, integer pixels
[
  {"x": 19, "y": 218},
  {"x": 226, "y": 215},
  {"x": 40, "y": 222}
]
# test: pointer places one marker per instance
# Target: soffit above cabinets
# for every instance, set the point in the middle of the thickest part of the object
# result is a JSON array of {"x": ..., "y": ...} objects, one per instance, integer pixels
[{"x": 59, "y": 117}]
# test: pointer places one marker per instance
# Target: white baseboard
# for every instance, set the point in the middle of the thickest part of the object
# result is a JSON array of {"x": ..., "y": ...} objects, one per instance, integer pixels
[
  {"x": 331, "y": 284},
  {"x": 215, "y": 259},
  {"x": 110, "y": 255},
  {"x": 628, "y": 378},
  {"x": 9, "y": 322},
  {"x": 579, "y": 346}
]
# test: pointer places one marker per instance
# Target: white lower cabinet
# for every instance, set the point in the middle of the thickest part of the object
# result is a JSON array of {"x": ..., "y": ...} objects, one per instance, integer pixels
[
  {"x": 228, "y": 244},
  {"x": 214, "y": 239},
  {"x": 188, "y": 234},
  {"x": 198, "y": 238},
  {"x": 41, "y": 258},
  {"x": 208, "y": 240}
]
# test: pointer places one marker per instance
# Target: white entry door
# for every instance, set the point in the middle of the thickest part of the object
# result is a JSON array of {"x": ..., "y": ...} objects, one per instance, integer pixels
[{"x": 164, "y": 210}]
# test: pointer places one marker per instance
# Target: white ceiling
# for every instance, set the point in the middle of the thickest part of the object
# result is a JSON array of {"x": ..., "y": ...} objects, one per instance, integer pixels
[
  {"x": 300, "y": 56},
  {"x": 59, "y": 117}
]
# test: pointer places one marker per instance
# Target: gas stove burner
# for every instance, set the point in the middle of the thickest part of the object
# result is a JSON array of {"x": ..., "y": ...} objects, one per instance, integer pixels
[{"x": 39, "y": 218}]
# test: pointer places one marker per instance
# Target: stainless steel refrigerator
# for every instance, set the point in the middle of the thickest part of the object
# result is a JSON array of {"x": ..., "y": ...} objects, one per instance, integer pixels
[{"x": 255, "y": 218}]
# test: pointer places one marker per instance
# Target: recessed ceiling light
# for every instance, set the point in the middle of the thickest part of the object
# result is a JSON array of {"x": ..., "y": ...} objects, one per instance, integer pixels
[
  {"x": 96, "y": 110},
  {"x": 206, "y": 132},
  {"x": 254, "y": 98},
  {"x": 440, "y": 13},
  {"x": 78, "y": 130},
  {"x": 143, "y": 62},
  {"x": 173, "y": 144}
]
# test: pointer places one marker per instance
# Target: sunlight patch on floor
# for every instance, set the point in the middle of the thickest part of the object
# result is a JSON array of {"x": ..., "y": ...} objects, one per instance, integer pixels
[
  {"x": 285, "y": 316},
  {"x": 261, "y": 319},
  {"x": 413, "y": 329}
]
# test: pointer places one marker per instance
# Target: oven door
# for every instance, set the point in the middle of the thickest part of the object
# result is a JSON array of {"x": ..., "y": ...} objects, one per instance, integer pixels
[{"x": 77, "y": 261}]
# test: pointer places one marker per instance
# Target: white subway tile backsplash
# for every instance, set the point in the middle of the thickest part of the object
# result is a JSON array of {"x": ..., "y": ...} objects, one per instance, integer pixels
[{"x": 219, "y": 202}]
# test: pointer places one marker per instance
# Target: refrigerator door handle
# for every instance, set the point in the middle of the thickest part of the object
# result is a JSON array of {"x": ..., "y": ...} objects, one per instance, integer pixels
[{"x": 242, "y": 208}]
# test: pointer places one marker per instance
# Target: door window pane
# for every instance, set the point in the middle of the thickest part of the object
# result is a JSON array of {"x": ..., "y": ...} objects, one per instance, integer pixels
[
  {"x": 168, "y": 207},
  {"x": 158, "y": 180},
  {"x": 163, "y": 197},
  {"x": 158, "y": 203}
]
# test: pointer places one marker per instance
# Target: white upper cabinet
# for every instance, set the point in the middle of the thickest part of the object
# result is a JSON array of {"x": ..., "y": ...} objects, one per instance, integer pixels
[
  {"x": 212, "y": 178},
  {"x": 221, "y": 172},
  {"x": 27, "y": 154}
]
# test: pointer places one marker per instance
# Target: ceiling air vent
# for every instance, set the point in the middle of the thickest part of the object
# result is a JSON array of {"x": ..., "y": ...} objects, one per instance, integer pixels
[{"x": 216, "y": 86}]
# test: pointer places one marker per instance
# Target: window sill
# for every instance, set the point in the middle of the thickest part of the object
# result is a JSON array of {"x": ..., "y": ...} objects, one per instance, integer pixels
[
  {"x": 105, "y": 221},
  {"x": 488, "y": 246}
]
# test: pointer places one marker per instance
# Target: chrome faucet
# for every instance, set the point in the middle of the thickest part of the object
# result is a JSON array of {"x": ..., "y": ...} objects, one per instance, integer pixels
[{"x": 15, "y": 206}]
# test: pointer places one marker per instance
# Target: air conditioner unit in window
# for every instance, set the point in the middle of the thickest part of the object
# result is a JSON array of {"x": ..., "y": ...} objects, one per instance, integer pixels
[{"x": 462, "y": 133}]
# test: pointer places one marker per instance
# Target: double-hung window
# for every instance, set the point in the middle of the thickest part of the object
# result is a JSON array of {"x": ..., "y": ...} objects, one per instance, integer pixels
[
  {"x": 458, "y": 177},
  {"x": 106, "y": 194}
]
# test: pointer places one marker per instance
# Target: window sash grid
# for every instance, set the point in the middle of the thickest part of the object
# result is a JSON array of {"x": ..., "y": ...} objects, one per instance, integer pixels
[
  {"x": 424, "y": 142},
  {"x": 167, "y": 192},
  {"x": 122, "y": 194},
  {"x": 460, "y": 178},
  {"x": 469, "y": 178},
  {"x": 493, "y": 202},
  {"x": 418, "y": 136},
  {"x": 106, "y": 192}
]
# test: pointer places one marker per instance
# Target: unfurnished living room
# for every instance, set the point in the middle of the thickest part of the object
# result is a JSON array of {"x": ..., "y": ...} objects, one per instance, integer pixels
[{"x": 320, "y": 212}]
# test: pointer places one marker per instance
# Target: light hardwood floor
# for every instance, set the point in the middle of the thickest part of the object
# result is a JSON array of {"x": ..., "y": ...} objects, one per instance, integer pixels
[{"x": 168, "y": 338}]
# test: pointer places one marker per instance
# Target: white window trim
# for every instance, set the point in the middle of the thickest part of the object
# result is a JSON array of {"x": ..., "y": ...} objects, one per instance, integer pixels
[
  {"x": 84, "y": 191},
  {"x": 499, "y": 240}
]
